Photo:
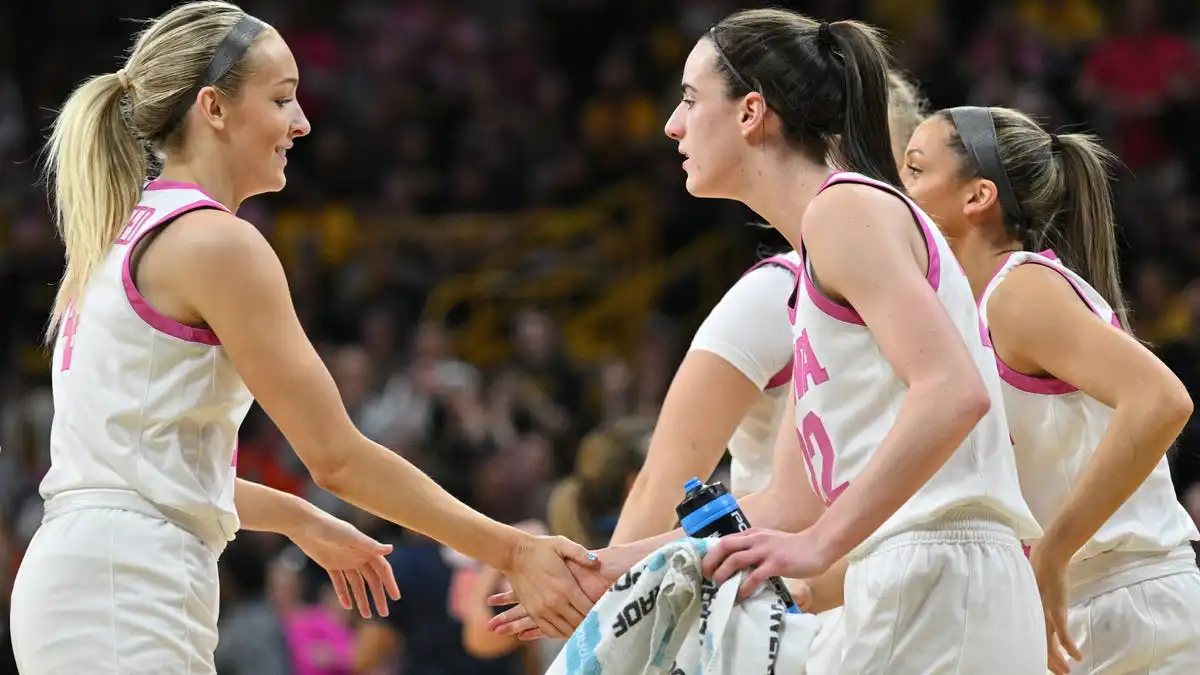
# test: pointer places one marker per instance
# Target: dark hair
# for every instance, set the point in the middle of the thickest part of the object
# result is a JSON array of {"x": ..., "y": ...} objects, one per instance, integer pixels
[
  {"x": 826, "y": 82},
  {"x": 1058, "y": 192}
]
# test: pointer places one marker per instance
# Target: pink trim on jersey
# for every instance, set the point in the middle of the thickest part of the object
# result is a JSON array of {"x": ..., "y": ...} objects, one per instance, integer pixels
[
  {"x": 778, "y": 260},
  {"x": 834, "y": 309},
  {"x": 782, "y": 377},
  {"x": 933, "y": 274},
  {"x": 151, "y": 316},
  {"x": 1047, "y": 386},
  {"x": 163, "y": 184}
]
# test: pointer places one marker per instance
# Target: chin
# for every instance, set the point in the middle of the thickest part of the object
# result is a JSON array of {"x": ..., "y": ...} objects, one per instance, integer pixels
[{"x": 698, "y": 188}]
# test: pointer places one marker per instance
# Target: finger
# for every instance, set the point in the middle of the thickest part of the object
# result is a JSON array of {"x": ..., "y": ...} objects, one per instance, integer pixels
[
  {"x": 515, "y": 614},
  {"x": 553, "y": 625},
  {"x": 340, "y": 589},
  {"x": 1054, "y": 661},
  {"x": 389, "y": 577},
  {"x": 737, "y": 562},
  {"x": 580, "y": 603},
  {"x": 375, "y": 585},
  {"x": 518, "y": 627},
  {"x": 502, "y": 599},
  {"x": 359, "y": 589},
  {"x": 573, "y": 551},
  {"x": 802, "y": 594},
  {"x": 1064, "y": 636},
  {"x": 757, "y": 577},
  {"x": 528, "y": 635},
  {"x": 725, "y": 547}
]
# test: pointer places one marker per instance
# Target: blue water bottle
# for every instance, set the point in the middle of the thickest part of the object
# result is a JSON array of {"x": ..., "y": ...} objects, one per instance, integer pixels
[{"x": 710, "y": 509}]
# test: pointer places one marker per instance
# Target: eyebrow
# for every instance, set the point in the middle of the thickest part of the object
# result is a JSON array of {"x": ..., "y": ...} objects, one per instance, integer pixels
[
  {"x": 914, "y": 151},
  {"x": 289, "y": 80},
  {"x": 687, "y": 88}
]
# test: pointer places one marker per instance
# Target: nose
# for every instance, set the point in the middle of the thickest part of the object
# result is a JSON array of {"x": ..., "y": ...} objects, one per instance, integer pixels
[
  {"x": 674, "y": 126},
  {"x": 300, "y": 125}
]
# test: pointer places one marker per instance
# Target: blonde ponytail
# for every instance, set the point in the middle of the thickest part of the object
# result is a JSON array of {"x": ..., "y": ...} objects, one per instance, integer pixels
[{"x": 95, "y": 166}]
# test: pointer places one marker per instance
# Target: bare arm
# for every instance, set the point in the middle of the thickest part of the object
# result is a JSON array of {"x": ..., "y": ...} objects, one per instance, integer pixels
[
  {"x": 1039, "y": 325},
  {"x": 861, "y": 242},
  {"x": 707, "y": 400},
  {"x": 264, "y": 509},
  {"x": 227, "y": 272},
  {"x": 787, "y": 504}
]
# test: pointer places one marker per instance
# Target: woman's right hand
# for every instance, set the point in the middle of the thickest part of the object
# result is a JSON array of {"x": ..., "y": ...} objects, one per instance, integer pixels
[
  {"x": 546, "y": 587},
  {"x": 594, "y": 582}
]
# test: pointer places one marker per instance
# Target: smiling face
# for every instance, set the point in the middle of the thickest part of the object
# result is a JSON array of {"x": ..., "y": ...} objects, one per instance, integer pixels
[
  {"x": 706, "y": 125},
  {"x": 933, "y": 175},
  {"x": 263, "y": 120}
]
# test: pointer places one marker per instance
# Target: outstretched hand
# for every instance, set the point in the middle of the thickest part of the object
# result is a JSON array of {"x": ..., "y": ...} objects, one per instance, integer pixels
[
  {"x": 354, "y": 561},
  {"x": 594, "y": 582},
  {"x": 543, "y": 582}
]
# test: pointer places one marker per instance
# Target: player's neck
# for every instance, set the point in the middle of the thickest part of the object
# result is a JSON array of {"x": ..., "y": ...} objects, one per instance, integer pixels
[
  {"x": 211, "y": 178},
  {"x": 780, "y": 189},
  {"x": 981, "y": 257}
]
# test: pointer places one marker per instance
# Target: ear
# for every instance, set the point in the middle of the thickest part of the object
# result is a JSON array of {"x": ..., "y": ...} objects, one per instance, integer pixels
[
  {"x": 752, "y": 113},
  {"x": 210, "y": 105},
  {"x": 980, "y": 197}
]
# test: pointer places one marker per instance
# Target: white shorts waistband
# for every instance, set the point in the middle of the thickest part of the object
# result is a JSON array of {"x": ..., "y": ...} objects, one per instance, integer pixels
[
  {"x": 1111, "y": 570},
  {"x": 956, "y": 526},
  {"x": 128, "y": 500}
]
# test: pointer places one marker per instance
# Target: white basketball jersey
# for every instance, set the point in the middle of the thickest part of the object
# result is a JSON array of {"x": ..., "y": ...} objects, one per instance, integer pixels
[
  {"x": 848, "y": 398},
  {"x": 142, "y": 402},
  {"x": 1055, "y": 429},
  {"x": 749, "y": 328}
]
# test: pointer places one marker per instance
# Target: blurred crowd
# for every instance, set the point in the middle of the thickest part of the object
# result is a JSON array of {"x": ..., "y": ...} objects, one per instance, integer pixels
[{"x": 483, "y": 171}]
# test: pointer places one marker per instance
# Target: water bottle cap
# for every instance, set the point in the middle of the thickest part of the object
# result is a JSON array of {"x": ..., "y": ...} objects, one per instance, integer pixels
[{"x": 692, "y": 484}]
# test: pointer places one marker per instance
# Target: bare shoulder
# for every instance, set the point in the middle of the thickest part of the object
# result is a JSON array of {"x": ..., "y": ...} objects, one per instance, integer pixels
[
  {"x": 209, "y": 245},
  {"x": 854, "y": 207},
  {"x": 210, "y": 236},
  {"x": 1031, "y": 293}
]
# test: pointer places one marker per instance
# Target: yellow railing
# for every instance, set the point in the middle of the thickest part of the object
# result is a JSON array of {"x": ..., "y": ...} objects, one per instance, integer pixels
[
  {"x": 614, "y": 324},
  {"x": 614, "y": 235}
]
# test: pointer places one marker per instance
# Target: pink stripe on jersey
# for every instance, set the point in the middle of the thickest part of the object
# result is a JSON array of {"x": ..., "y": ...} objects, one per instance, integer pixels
[
  {"x": 933, "y": 274},
  {"x": 151, "y": 316},
  {"x": 162, "y": 184},
  {"x": 782, "y": 377},
  {"x": 778, "y": 260}
]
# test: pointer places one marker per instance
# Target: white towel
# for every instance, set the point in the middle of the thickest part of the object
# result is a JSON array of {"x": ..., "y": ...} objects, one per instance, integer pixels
[{"x": 663, "y": 618}]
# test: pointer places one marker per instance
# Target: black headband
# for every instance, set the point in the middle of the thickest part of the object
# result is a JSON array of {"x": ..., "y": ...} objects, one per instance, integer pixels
[
  {"x": 230, "y": 50},
  {"x": 977, "y": 130},
  {"x": 712, "y": 36}
]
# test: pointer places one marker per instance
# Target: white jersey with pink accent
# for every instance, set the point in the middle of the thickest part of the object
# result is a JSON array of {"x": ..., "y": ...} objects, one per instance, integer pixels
[
  {"x": 1056, "y": 428},
  {"x": 142, "y": 402},
  {"x": 848, "y": 398},
  {"x": 749, "y": 329}
]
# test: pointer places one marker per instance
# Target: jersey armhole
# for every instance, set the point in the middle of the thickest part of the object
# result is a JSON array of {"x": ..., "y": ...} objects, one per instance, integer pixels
[
  {"x": 141, "y": 307},
  {"x": 1046, "y": 385},
  {"x": 843, "y": 312}
]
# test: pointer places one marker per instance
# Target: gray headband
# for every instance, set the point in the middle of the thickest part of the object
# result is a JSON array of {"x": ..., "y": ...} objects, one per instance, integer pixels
[
  {"x": 977, "y": 130},
  {"x": 230, "y": 50}
]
